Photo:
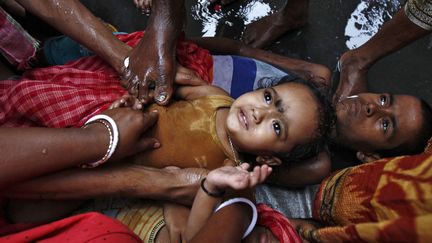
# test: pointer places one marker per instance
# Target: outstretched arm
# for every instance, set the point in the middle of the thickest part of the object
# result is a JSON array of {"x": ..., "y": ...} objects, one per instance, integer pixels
[
  {"x": 118, "y": 180},
  {"x": 306, "y": 70},
  {"x": 75, "y": 20},
  {"x": 31, "y": 152},
  {"x": 204, "y": 223}
]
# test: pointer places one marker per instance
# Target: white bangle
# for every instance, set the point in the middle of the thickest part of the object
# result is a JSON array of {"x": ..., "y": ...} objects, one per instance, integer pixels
[
  {"x": 250, "y": 203},
  {"x": 110, "y": 124}
]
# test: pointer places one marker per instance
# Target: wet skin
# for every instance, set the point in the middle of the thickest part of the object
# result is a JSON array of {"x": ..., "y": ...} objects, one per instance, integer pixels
[
  {"x": 370, "y": 122},
  {"x": 273, "y": 120}
]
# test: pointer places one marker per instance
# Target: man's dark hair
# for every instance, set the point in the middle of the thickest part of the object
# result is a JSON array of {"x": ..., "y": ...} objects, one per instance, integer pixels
[
  {"x": 422, "y": 137},
  {"x": 326, "y": 121}
]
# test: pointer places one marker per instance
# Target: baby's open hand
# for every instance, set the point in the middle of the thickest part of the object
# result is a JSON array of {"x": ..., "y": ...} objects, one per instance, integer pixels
[{"x": 237, "y": 178}]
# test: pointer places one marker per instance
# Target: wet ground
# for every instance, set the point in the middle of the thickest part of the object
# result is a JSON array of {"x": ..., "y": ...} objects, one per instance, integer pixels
[{"x": 334, "y": 27}]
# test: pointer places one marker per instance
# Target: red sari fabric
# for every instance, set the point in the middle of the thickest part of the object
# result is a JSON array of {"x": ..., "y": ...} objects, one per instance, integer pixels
[
  {"x": 279, "y": 225},
  {"x": 89, "y": 227},
  {"x": 68, "y": 95}
]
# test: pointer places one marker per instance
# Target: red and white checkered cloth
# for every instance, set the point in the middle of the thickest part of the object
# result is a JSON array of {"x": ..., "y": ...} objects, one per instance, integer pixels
[{"x": 68, "y": 95}]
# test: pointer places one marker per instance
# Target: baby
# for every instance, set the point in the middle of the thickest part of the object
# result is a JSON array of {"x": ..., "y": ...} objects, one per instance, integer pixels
[{"x": 205, "y": 126}]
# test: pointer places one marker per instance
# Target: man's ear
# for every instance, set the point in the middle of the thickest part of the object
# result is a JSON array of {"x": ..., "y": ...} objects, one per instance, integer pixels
[
  {"x": 366, "y": 157},
  {"x": 268, "y": 160}
]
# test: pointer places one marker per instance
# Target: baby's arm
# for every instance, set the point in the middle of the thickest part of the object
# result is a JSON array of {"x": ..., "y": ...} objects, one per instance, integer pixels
[
  {"x": 203, "y": 222},
  {"x": 306, "y": 70},
  {"x": 194, "y": 92}
]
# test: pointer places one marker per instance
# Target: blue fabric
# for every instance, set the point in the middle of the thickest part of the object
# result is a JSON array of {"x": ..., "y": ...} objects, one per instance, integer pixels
[{"x": 244, "y": 73}]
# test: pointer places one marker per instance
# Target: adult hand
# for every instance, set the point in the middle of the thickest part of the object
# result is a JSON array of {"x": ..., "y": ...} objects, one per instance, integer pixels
[
  {"x": 132, "y": 125},
  {"x": 352, "y": 77},
  {"x": 149, "y": 64}
]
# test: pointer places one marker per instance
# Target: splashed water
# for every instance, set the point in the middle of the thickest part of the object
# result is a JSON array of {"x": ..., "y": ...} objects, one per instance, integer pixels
[
  {"x": 254, "y": 10},
  {"x": 366, "y": 20}
]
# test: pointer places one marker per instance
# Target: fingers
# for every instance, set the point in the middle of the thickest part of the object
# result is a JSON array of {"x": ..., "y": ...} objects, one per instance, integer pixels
[
  {"x": 149, "y": 119},
  {"x": 259, "y": 175}
]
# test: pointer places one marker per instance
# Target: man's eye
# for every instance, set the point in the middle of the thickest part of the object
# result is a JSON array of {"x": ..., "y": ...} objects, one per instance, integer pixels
[
  {"x": 277, "y": 127},
  {"x": 267, "y": 97},
  {"x": 383, "y": 100},
  {"x": 385, "y": 125}
]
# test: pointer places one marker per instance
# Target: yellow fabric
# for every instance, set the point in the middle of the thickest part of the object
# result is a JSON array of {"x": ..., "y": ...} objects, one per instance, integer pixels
[
  {"x": 145, "y": 219},
  {"x": 187, "y": 132}
]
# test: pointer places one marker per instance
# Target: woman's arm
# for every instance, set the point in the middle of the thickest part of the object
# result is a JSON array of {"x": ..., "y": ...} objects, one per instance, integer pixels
[
  {"x": 31, "y": 152},
  {"x": 305, "y": 70}
]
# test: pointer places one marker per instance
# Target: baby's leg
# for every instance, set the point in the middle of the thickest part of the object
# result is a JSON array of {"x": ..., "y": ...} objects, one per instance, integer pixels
[{"x": 40, "y": 211}]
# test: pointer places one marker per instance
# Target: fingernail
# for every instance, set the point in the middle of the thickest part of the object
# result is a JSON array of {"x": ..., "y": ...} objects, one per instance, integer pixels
[
  {"x": 156, "y": 145},
  {"x": 155, "y": 111},
  {"x": 161, "y": 97}
]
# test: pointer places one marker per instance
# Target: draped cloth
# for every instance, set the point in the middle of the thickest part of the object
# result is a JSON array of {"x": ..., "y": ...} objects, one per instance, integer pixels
[
  {"x": 68, "y": 95},
  {"x": 279, "y": 225},
  {"x": 382, "y": 201}
]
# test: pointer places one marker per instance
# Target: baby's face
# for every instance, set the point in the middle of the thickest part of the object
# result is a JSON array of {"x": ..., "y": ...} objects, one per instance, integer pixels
[{"x": 273, "y": 120}]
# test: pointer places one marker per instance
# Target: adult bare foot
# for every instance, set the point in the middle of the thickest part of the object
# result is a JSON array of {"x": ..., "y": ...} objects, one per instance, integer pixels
[
  {"x": 353, "y": 69},
  {"x": 265, "y": 31}
]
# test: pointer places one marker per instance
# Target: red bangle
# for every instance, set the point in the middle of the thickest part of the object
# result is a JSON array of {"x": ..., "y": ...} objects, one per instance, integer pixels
[{"x": 212, "y": 194}]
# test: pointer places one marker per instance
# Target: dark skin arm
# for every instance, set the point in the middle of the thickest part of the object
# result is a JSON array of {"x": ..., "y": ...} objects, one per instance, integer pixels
[
  {"x": 118, "y": 180},
  {"x": 31, "y": 152},
  {"x": 75, "y": 20},
  {"x": 307, "y": 172}
]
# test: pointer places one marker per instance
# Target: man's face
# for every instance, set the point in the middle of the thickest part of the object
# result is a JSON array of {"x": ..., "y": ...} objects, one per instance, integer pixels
[
  {"x": 370, "y": 122},
  {"x": 273, "y": 120}
]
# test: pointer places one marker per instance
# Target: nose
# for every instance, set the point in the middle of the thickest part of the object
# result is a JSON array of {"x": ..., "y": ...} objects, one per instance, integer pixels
[
  {"x": 260, "y": 113},
  {"x": 372, "y": 108}
]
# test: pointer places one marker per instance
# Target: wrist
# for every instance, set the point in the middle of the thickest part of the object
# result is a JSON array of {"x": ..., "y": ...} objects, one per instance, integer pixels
[
  {"x": 210, "y": 189},
  {"x": 97, "y": 139}
]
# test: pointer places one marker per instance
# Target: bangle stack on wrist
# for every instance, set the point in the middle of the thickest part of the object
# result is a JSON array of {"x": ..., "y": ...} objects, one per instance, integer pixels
[
  {"x": 212, "y": 194},
  {"x": 110, "y": 124}
]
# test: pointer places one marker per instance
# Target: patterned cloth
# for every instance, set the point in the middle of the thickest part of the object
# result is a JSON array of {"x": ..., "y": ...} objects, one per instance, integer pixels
[
  {"x": 68, "y": 95},
  {"x": 382, "y": 201},
  {"x": 420, "y": 13},
  {"x": 16, "y": 44}
]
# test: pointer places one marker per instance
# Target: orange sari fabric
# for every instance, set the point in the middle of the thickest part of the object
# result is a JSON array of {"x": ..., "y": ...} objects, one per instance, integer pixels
[{"x": 384, "y": 201}]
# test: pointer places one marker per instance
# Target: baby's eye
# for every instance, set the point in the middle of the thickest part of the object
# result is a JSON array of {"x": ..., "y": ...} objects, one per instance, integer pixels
[
  {"x": 267, "y": 97},
  {"x": 277, "y": 127},
  {"x": 383, "y": 100},
  {"x": 385, "y": 125}
]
